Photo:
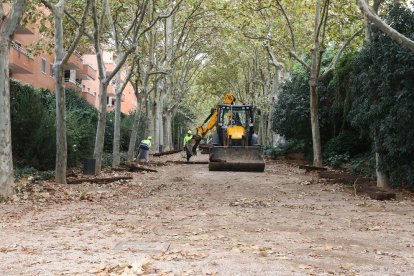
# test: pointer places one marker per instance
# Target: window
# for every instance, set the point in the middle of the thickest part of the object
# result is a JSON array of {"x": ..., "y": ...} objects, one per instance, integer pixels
[
  {"x": 51, "y": 70},
  {"x": 43, "y": 66},
  {"x": 66, "y": 75},
  {"x": 110, "y": 101}
]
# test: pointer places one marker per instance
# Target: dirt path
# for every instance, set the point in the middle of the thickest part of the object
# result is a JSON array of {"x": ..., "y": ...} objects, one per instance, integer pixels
[{"x": 185, "y": 220}]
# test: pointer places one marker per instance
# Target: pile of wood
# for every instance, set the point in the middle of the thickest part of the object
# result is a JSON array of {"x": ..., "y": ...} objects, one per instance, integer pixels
[{"x": 361, "y": 185}]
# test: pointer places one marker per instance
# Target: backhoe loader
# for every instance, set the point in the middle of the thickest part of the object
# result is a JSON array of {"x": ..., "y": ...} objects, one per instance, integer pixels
[{"x": 234, "y": 143}]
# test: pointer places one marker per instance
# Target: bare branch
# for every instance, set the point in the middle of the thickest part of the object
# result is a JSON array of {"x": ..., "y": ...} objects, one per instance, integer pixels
[
  {"x": 96, "y": 42},
  {"x": 388, "y": 30},
  {"x": 289, "y": 25},
  {"x": 332, "y": 66},
  {"x": 102, "y": 15},
  {"x": 301, "y": 61},
  {"x": 273, "y": 57},
  {"x": 159, "y": 18},
  {"x": 71, "y": 17},
  {"x": 80, "y": 32}
]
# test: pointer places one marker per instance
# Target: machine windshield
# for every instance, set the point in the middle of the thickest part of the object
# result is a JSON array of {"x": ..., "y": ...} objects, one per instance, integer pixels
[{"x": 236, "y": 116}]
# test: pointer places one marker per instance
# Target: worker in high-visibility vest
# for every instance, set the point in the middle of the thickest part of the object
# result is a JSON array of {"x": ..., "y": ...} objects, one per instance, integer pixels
[
  {"x": 144, "y": 147},
  {"x": 186, "y": 148}
]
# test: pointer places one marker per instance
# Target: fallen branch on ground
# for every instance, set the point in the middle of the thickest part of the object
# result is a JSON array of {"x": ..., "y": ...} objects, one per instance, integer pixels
[
  {"x": 190, "y": 162},
  {"x": 98, "y": 180},
  {"x": 166, "y": 153}
]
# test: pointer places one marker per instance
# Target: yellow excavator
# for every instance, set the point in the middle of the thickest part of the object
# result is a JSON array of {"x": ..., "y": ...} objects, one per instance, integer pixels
[{"x": 234, "y": 144}]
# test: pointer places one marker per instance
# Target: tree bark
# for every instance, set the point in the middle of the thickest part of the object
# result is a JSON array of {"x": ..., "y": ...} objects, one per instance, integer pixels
[
  {"x": 134, "y": 130},
  {"x": 116, "y": 155},
  {"x": 6, "y": 160},
  {"x": 167, "y": 125},
  {"x": 61, "y": 139},
  {"x": 313, "y": 90},
  {"x": 100, "y": 129},
  {"x": 8, "y": 25},
  {"x": 316, "y": 140}
]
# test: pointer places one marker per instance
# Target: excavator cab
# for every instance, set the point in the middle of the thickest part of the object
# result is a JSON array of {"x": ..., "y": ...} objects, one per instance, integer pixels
[{"x": 235, "y": 126}]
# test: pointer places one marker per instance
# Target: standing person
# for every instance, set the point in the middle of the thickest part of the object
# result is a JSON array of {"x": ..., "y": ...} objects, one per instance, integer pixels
[
  {"x": 186, "y": 146},
  {"x": 144, "y": 147}
]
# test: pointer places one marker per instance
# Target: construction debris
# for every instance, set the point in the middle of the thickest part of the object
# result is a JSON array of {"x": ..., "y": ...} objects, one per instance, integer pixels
[
  {"x": 98, "y": 180},
  {"x": 361, "y": 185},
  {"x": 189, "y": 162},
  {"x": 343, "y": 177}
]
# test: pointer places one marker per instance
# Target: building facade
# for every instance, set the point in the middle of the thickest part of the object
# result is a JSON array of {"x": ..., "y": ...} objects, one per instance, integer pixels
[{"x": 80, "y": 72}]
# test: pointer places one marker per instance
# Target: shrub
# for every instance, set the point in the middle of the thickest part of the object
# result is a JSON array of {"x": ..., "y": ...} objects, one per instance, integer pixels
[
  {"x": 33, "y": 127},
  {"x": 382, "y": 87},
  {"x": 291, "y": 146}
]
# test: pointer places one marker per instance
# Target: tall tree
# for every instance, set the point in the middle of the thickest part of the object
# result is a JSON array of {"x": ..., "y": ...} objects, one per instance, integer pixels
[
  {"x": 314, "y": 68},
  {"x": 61, "y": 59},
  {"x": 8, "y": 24}
]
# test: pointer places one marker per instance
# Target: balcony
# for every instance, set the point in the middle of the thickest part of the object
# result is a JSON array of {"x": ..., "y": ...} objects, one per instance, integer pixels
[
  {"x": 70, "y": 83},
  {"x": 87, "y": 72},
  {"x": 20, "y": 61},
  {"x": 24, "y": 30}
]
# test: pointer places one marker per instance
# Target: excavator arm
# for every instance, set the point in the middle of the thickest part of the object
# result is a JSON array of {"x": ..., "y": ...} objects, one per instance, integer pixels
[{"x": 211, "y": 120}]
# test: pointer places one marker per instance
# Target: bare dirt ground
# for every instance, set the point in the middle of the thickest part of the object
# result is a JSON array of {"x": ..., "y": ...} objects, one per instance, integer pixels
[{"x": 185, "y": 220}]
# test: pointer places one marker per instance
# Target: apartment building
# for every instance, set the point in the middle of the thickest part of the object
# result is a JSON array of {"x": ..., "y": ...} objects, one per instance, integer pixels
[{"x": 80, "y": 72}]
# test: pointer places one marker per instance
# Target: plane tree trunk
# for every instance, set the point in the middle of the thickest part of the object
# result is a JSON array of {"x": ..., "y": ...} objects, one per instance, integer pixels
[
  {"x": 61, "y": 58},
  {"x": 8, "y": 25}
]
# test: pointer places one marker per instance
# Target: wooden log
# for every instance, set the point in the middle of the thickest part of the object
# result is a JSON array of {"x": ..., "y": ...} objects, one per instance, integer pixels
[
  {"x": 185, "y": 162},
  {"x": 166, "y": 153},
  {"x": 343, "y": 177},
  {"x": 98, "y": 180},
  {"x": 311, "y": 168},
  {"x": 382, "y": 195},
  {"x": 374, "y": 192},
  {"x": 138, "y": 168}
]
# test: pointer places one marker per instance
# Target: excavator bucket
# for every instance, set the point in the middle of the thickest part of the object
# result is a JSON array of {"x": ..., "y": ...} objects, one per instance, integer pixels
[{"x": 236, "y": 159}]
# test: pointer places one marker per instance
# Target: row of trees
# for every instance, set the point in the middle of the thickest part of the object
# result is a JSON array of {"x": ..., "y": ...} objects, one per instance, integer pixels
[{"x": 152, "y": 51}]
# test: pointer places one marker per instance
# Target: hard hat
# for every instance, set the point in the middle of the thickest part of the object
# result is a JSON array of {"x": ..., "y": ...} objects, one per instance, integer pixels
[
  {"x": 149, "y": 138},
  {"x": 189, "y": 132}
]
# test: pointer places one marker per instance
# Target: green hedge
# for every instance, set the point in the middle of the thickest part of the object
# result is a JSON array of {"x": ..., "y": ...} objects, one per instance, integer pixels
[{"x": 34, "y": 132}]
